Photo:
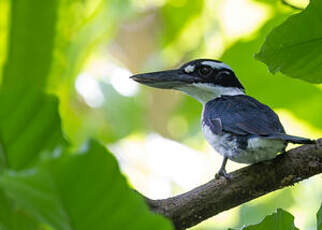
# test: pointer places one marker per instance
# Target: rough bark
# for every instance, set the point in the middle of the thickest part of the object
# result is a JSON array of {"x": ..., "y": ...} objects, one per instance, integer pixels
[{"x": 218, "y": 195}]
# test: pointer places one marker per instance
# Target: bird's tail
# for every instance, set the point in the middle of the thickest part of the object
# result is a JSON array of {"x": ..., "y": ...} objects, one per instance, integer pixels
[{"x": 292, "y": 139}]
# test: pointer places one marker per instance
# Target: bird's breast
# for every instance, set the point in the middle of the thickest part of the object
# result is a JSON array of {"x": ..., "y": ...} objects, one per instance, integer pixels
[{"x": 243, "y": 148}]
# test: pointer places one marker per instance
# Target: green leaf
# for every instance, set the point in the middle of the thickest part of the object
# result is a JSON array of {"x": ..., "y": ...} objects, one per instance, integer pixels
[
  {"x": 319, "y": 219},
  {"x": 29, "y": 120},
  {"x": 31, "y": 40},
  {"x": 29, "y": 127},
  {"x": 85, "y": 32},
  {"x": 253, "y": 212},
  {"x": 3, "y": 157},
  {"x": 81, "y": 191},
  {"x": 12, "y": 218},
  {"x": 80, "y": 32},
  {"x": 295, "y": 47},
  {"x": 280, "y": 220}
]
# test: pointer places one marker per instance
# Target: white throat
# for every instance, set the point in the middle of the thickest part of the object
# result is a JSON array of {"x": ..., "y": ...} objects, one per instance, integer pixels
[{"x": 205, "y": 92}]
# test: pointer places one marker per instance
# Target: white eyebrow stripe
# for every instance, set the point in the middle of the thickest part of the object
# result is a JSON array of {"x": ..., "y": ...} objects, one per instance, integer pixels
[
  {"x": 189, "y": 68},
  {"x": 216, "y": 65}
]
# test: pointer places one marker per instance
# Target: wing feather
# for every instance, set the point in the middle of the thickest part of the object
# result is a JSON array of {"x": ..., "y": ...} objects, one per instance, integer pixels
[{"x": 241, "y": 115}]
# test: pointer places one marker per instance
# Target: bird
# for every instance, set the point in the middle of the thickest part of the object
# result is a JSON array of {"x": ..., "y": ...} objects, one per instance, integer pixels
[{"x": 237, "y": 126}]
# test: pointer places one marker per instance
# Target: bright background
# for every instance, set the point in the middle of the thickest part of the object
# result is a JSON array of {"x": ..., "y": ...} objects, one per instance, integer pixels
[{"x": 156, "y": 134}]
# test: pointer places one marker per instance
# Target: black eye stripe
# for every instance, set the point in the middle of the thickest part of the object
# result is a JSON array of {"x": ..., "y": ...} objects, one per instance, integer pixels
[
  {"x": 224, "y": 73},
  {"x": 205, "y": 70},
  {"x": 211, "y": 71}
]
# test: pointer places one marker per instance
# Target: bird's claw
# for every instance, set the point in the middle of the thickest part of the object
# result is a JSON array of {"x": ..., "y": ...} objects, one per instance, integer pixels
[{"x": 224, "y": 174}]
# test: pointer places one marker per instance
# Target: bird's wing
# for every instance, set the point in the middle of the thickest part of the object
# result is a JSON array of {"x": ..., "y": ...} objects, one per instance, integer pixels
[{"x": 241, "y": 115}]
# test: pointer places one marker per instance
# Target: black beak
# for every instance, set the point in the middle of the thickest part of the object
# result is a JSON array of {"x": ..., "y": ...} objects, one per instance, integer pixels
[{"x": 164, "y": 79}]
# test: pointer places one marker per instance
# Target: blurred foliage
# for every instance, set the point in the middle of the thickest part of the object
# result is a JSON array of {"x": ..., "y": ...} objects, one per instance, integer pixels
[
  {"x": 56, "y": 189},
  {"x": 293, "y": 49},
  {"x": 81, "y": 191},
  {"x": 117, "y": 112},
  {"x": 27, "y": 114},
  {"x": 319, "y": 219},
  {"x": 176, "y": 15},
  {"x": 280, "y": 220},
  {"x": 45, "y": 46},
  {"x": 81, "y": 26},
  {"x": 250, "y": 211},
  {"x": 13, "y": 218}
]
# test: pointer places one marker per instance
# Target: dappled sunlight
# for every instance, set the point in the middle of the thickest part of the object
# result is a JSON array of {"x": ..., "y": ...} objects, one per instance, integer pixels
[
  {"x": 143, "y": 5},
  {"x": 188, "y": 38},
  {"x": 178, "y": 126},
  {"x": 105, "y": 70},
  {"x": 299, "y": 3},
  {"x": 221, "y": 221},
  {"x": 4, "y": 16},
  {"x": 319, "y": 86},
  {"x": 122, "y": 83},
  {"x": 297, "y": 127},
  {"x": 241, "y": 17},
  {"x": 169, "y": 162},
  {"x": 308, "y": 194},
  {"x": 88, "y": 87}
]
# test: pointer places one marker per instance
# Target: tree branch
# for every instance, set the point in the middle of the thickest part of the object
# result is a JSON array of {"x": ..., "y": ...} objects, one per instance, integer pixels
[{"x": 195, "y": 206}]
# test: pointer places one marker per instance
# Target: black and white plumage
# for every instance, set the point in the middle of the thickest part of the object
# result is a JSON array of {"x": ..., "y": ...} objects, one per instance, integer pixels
[
  {"x": 237, "y": 126},
  {"x": 242, "y": 129}
]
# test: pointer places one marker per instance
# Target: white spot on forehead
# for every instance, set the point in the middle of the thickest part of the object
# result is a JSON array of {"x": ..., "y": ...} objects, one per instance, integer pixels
[
  {"x": 189, "y": 68},
  {"x": 216, "y": 65}
]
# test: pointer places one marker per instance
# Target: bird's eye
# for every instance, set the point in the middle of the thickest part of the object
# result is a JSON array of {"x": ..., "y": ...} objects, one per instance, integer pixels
[{"x": 205, "y": 70}]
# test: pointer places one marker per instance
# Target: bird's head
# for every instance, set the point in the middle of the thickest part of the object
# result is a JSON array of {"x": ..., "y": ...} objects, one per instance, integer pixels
[{"x": 203, "y": 79}]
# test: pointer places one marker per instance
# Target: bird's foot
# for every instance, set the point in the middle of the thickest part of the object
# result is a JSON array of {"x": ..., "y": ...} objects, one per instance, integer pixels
[{"x": 223, "y": 173}]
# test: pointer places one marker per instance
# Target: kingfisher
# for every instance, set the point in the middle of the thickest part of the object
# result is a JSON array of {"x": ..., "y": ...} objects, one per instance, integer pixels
[{"x": 237, "y": 126}]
